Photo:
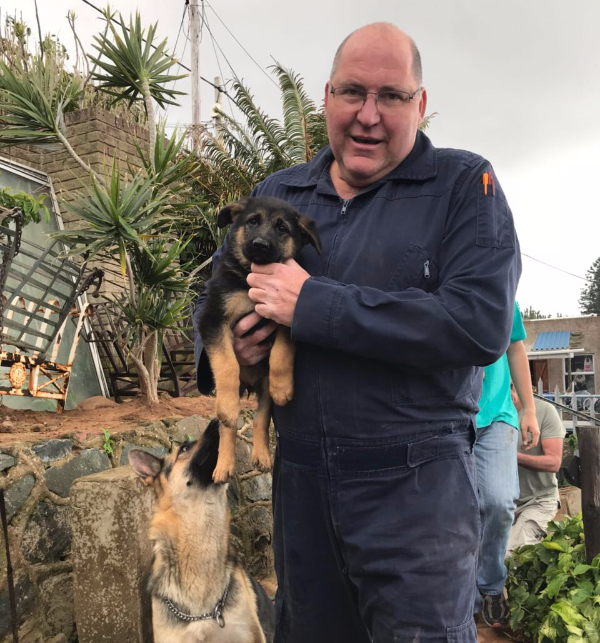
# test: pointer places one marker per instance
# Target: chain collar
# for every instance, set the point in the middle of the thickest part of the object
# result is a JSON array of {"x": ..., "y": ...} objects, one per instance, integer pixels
[{"x": 216, "y": 614}]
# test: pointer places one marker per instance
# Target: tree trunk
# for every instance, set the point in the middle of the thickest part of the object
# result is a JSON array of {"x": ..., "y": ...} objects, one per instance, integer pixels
[
  {"x": 151, "y": 122},
  {"x": 144, "y": 358},
  {"x": 589, "y": 449},
  {"x": 61, "y": 137}
]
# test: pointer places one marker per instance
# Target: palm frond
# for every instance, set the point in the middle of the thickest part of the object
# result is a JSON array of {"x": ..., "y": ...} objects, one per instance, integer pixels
[
  {"x": 298, "y": 109},
  {"x": 125, "y": 65}
]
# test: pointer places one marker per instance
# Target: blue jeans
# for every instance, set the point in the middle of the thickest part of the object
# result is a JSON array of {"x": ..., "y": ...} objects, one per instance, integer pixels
[
  {"x": 498, "y": 488},
  {"x": 375, "y": 540}
]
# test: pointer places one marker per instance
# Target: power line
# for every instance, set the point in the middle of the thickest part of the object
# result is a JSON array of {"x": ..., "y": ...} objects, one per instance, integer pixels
[
  {"x": 218, "y": 63},
  {"x": 153, "y": 47},
  {"x": 222, "y": 52},
  {"x": 555, "y": 267},
  {"x": 185, "y": 6},
  {"x": 242, "y": 46}
]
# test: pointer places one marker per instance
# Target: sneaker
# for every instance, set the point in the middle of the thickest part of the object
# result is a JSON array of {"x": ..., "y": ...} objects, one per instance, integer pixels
[{"x": 494, "y": 610}]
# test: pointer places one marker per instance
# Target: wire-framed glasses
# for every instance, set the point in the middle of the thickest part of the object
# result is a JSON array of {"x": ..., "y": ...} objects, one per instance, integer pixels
[{"x": 388, "y": 100}]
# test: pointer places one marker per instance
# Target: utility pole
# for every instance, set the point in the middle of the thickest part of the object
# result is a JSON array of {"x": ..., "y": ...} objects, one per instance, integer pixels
[
  {"x": 195, "y": 43},
  {"x": 217, "y": 108}
]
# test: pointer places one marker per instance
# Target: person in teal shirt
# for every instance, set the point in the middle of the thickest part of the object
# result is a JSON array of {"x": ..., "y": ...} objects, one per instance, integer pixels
[{"x": 496, "y": 461}]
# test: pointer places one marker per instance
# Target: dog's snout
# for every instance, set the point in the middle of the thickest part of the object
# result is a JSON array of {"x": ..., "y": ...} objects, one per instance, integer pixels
[{"x": 260, "y": 244}]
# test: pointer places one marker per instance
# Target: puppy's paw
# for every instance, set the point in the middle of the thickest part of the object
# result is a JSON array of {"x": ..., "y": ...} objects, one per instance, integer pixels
[
  {"x": 281, "y": 391},
  {"x": 261, "y": 459},
  {"x": 222, "y": 474}
]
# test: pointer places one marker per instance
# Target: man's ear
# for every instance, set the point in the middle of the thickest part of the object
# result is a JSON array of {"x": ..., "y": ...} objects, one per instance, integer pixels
[
  {"x": 230, "y": 211},
  {"x": 309, "y": 232},
  {"x": 146, "y": 465}
]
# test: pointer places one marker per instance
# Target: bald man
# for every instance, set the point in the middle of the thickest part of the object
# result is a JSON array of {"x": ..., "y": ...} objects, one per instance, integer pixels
[{"x": 374, "y": 496}]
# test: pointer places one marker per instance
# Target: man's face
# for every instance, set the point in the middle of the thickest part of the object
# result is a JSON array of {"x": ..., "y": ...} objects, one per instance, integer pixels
[{"x": 366, "y": 144}]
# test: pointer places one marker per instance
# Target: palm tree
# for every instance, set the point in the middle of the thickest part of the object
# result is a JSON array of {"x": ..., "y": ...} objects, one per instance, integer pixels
[{"x": 240, "y": 154}]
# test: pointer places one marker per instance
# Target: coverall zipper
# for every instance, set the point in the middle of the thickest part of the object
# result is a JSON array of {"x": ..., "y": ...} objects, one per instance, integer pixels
[{"x": 345, "y": 204}]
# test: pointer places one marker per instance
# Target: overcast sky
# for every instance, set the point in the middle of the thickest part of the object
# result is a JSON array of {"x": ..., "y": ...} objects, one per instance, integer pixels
[{"x": 516, "y": 81}]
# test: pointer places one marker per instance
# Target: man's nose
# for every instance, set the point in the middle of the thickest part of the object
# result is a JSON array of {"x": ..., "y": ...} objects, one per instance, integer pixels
[{"x": 368, "y": 115}]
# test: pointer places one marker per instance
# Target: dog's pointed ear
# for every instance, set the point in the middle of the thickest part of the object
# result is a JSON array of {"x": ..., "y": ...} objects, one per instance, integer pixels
[
  {"x": 309, "y": 232},
  {"x": 230, "y": 211},
  {"x": 146, "y": 465}
]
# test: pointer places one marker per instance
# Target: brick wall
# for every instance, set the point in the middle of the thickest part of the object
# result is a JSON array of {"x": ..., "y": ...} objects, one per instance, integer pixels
[{"x": 97, "y": 136}]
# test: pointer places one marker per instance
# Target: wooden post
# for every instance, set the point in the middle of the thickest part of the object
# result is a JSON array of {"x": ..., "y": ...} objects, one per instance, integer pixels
[{"x": 589, "y": 452}]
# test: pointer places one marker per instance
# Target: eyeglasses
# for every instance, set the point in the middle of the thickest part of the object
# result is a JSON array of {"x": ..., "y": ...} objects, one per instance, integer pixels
[{"x": 388, "y": 100}]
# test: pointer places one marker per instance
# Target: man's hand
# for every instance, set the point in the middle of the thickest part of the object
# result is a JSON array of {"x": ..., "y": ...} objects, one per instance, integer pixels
[
  {"x": 274, "y": 288},
  {"x": 530, "y": 431},
  {"x": 253, "y": 348}
]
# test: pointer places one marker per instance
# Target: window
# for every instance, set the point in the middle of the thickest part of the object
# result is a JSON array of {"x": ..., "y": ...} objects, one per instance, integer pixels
[
  {"x": 87, "y": 378},
  {"x": 583, "y": 373}
]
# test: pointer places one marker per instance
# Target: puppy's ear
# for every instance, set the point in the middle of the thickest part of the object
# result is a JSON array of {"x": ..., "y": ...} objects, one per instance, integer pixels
[
  {"x": 146, "y": 465},
  {"x": 309, "y": 232},
  {"x": 230, "y": 212}
]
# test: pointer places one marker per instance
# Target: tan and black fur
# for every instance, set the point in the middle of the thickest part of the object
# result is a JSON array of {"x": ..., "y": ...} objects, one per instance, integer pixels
[
  {"x": 263, "y": 230},
  {"x": 193, "y": 566}
]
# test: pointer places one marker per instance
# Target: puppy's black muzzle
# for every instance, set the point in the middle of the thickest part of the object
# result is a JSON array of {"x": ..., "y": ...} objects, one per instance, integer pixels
[
  {"x": 261, "y": 250},
  {"x": 204, "y": 459}
]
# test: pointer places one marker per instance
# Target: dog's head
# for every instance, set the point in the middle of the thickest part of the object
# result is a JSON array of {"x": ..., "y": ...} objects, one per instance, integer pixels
[
  {"x": 267, "y": 230},
  {"x": 184, "y": 473}
]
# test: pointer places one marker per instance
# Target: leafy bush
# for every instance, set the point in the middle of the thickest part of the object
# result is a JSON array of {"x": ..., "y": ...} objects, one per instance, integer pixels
[
  {"x": 32, "y": 207},
  {"x": 553, "y": 594}
]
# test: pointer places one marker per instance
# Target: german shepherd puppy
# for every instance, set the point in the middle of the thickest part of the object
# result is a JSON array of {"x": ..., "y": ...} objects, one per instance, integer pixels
[
  {"x": 200, "y": 593},
  {"x": 264, "y": 230}
]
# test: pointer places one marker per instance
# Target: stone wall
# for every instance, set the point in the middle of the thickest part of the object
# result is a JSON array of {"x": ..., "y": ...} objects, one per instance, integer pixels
[{"x": 37, "y": 478}]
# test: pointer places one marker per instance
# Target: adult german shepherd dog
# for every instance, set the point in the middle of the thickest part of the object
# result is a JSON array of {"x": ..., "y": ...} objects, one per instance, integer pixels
[
  {"x": 263, "y": 230},
  {"x": 200, "y": 593}
]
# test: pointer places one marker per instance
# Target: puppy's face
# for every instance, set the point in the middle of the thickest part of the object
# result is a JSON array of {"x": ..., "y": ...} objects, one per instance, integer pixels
[
  {"x": 185, "y": 474},
  {"x": 267, "y": 230}
]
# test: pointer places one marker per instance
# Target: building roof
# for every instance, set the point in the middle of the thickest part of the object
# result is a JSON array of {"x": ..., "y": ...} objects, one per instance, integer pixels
[{"x": 552, "y": 340}]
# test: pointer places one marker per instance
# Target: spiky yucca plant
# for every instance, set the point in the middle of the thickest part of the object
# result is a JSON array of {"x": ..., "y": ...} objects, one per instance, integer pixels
[{"x": 130, "y": 221}]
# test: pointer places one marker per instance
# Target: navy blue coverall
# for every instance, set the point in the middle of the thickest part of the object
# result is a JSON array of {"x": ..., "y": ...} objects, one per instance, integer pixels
[{"x": 376, "y": 523}]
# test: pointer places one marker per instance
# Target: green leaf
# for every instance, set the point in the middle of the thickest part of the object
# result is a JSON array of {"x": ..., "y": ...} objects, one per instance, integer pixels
[
  {"x": 567, "y": 613},
  {"x": 555, "y": 585},
  {"x": 547, "y": 630},
  {"x": 560, "y": 544},
  {"x": 581, "y": 569}
]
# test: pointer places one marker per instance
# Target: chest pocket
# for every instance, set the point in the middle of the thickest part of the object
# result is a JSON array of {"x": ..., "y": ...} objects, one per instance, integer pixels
[{"x": 417, "y": 269}]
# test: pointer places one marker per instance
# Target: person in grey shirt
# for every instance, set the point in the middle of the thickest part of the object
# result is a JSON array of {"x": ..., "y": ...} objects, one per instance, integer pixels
[{"x": 538, "y": 496}]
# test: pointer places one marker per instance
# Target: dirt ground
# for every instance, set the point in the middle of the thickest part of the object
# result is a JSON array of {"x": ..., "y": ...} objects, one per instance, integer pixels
[{"x": 94, "y": 415}]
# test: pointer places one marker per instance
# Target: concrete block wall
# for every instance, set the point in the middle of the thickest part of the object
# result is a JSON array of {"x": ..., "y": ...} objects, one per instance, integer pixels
[{"x": 37, "y": 478}]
